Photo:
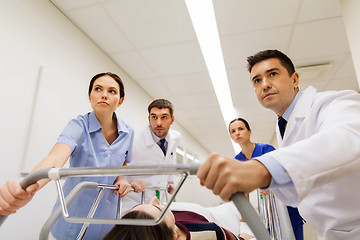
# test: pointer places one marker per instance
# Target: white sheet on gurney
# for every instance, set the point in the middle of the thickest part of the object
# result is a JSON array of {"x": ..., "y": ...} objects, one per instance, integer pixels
[{"x": 225, "y": 215}]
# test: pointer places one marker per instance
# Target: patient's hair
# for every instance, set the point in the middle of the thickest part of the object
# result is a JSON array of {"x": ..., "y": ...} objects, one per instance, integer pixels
[
  {"x": 133, "y": 232},
  {"x": 267, "y": 54},
  {"x": 161, "y": 103}
]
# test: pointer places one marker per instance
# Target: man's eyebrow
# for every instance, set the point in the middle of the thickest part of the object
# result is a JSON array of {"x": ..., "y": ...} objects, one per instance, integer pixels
[
  {"x": 267, "y": 71},
  {"x": 272, "y": 69},
  {"x": 164, "y": 114},
  {"x": 254, "y": 77}
]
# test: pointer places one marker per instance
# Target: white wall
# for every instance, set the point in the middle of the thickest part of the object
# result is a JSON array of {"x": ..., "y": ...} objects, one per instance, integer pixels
[{"x": 39, "y": 43}]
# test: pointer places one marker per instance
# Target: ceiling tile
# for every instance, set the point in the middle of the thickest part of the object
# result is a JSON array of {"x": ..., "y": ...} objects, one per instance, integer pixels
[
  {"x": 346, "y": 68},
  {"x": 239, "y": 79},
  {"x": 319, "y": 9},
  {"x": 243, "y": 98},
  {"x": 319, "y": 39},
  {"x": 216, "y": 125},
  {"x": 71, "y": 4},
  {"x": 319, "y": 85},
  {"x": 175, "y": 59},
  {"x": 153, "y": 86},
  {"x": 250, "y": 109},
  {"x": 238, "y": 16},
  {"x": 134, "y": 64},
  {"x": 198, "y": 100},
  {"x": 343, "y": 84},
  {"x": 152, "y": 23},
  {"x": 188, "y": 83},
  {"x": 180, "y": 115},
  {"x": 204, "y": 113},
  {"x": 235, "y": 52},
  {"x": 94, "y": 21}
]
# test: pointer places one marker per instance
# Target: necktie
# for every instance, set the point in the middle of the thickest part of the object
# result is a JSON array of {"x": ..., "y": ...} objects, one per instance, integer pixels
[
  {"x": 162, "y": 145},
  {"x": 282, "y": 125}
]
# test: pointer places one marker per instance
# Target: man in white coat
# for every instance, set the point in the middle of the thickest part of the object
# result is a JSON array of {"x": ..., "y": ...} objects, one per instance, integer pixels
[
  {"x": 148, "y": 150},
  {"x": 317, "y": 167}
]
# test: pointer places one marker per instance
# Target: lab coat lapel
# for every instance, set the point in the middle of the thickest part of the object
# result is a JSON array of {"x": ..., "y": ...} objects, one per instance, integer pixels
[
  {"x": 171, "y": 143},
  {"x": 151, "y": 144},
  {"x": 297, "y": 116}
]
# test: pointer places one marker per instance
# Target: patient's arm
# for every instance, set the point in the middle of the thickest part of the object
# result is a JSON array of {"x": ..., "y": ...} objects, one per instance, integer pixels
[{"x": 246, "y": 236}]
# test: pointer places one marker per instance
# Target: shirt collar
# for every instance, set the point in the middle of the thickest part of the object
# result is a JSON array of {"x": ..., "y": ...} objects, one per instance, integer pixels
[
  {"x": 94, "y": 124},
  {"x": 290, "y": 109},
  {"x": 156, "y": 138}
]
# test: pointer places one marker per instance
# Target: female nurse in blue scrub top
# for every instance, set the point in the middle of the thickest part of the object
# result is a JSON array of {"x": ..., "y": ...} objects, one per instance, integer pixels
[
  {"x": 240, "y": 133},
  {"x": 97, "y": 139}
]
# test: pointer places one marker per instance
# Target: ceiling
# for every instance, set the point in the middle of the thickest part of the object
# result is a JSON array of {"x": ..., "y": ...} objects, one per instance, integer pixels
[{"x": 154, "y": 43}]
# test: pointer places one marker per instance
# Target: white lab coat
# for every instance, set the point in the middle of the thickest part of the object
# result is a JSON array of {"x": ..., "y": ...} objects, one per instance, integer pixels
[
  {"x": 147, "y": 152},
  {"x": 321, "y": 153}
]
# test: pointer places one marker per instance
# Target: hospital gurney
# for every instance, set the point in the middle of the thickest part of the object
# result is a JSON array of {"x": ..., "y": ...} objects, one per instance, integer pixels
[
  {"x": 275, "y": 217},
  {"x": 239, "y": 199}
]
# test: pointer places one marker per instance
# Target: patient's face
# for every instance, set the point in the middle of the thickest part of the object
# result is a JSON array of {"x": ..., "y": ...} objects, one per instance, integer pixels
[{"x": 154, "y": 208}]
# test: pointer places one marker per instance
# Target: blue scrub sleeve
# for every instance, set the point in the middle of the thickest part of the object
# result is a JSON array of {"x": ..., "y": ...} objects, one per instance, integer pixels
[{"x": 72, "y": 134}]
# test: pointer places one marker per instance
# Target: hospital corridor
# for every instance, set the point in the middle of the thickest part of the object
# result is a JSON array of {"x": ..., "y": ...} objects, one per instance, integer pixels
[{"x": 180, "y": 119}]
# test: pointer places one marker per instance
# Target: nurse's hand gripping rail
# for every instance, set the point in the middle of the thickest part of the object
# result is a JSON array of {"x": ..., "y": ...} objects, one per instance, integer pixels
[{"x": 239, "y": 199}]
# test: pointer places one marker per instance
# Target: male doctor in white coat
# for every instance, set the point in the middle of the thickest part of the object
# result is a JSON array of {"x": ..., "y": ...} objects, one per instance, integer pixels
[
  {"x": 317, "y": 167},
  {"x": 148, "y": 150}
]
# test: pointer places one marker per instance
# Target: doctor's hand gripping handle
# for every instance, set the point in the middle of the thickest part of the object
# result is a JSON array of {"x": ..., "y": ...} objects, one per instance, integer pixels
[
  {"x": 29, "y": 180},
  {"x": 246, "y": 209}
]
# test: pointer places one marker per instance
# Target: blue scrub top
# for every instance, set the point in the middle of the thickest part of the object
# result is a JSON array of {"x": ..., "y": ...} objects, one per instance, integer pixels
[
  {"x": 295, "y": 218},
  {"x": 260, "y": 149},
  {"x": 90, "y": 149}
]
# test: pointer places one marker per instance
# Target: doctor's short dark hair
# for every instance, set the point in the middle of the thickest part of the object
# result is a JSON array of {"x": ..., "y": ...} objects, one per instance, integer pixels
[
  {"x": 161, "y": 103},
  {"x": 136, "y": 232},
  {"x": 267, "y": 54},
  {"x": 113, "y": 76}
]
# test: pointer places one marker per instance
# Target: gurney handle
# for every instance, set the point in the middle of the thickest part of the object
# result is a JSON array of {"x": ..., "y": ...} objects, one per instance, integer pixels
[
  {"x": 250, "y": 216},
  {"x": 29, "y": 180},
  {"x": 239, "y": 199}
]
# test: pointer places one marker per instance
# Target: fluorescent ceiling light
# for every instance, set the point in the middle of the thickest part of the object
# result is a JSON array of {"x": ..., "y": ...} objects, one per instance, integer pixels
[{"x": 203, "y": 19}]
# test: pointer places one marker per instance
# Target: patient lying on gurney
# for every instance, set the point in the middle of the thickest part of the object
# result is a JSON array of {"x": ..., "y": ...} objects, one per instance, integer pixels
[{"x": 184, "y": 221}]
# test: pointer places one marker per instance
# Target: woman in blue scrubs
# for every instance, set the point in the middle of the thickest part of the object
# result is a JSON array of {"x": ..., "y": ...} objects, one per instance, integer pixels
[
  {"x": 240, "y": 133},
  {"x": 97, "y": 139}
]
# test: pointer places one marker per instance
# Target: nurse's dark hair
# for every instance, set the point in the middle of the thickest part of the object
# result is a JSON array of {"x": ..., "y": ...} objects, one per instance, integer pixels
[
  {"x": 267, "y": 54},
  {"x": 161, "y": 103},
  {"x": 113, "y": 76},
  {"x": 242, "y": 120},
  {"x": 135, "y": 232}
]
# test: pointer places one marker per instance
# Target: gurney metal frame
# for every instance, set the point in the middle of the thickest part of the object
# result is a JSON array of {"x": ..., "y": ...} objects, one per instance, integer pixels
[
  {"x": 275, "y": 217},
  {"x": 241, "y": 202},
  {"x": 71, "y": 196}
]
